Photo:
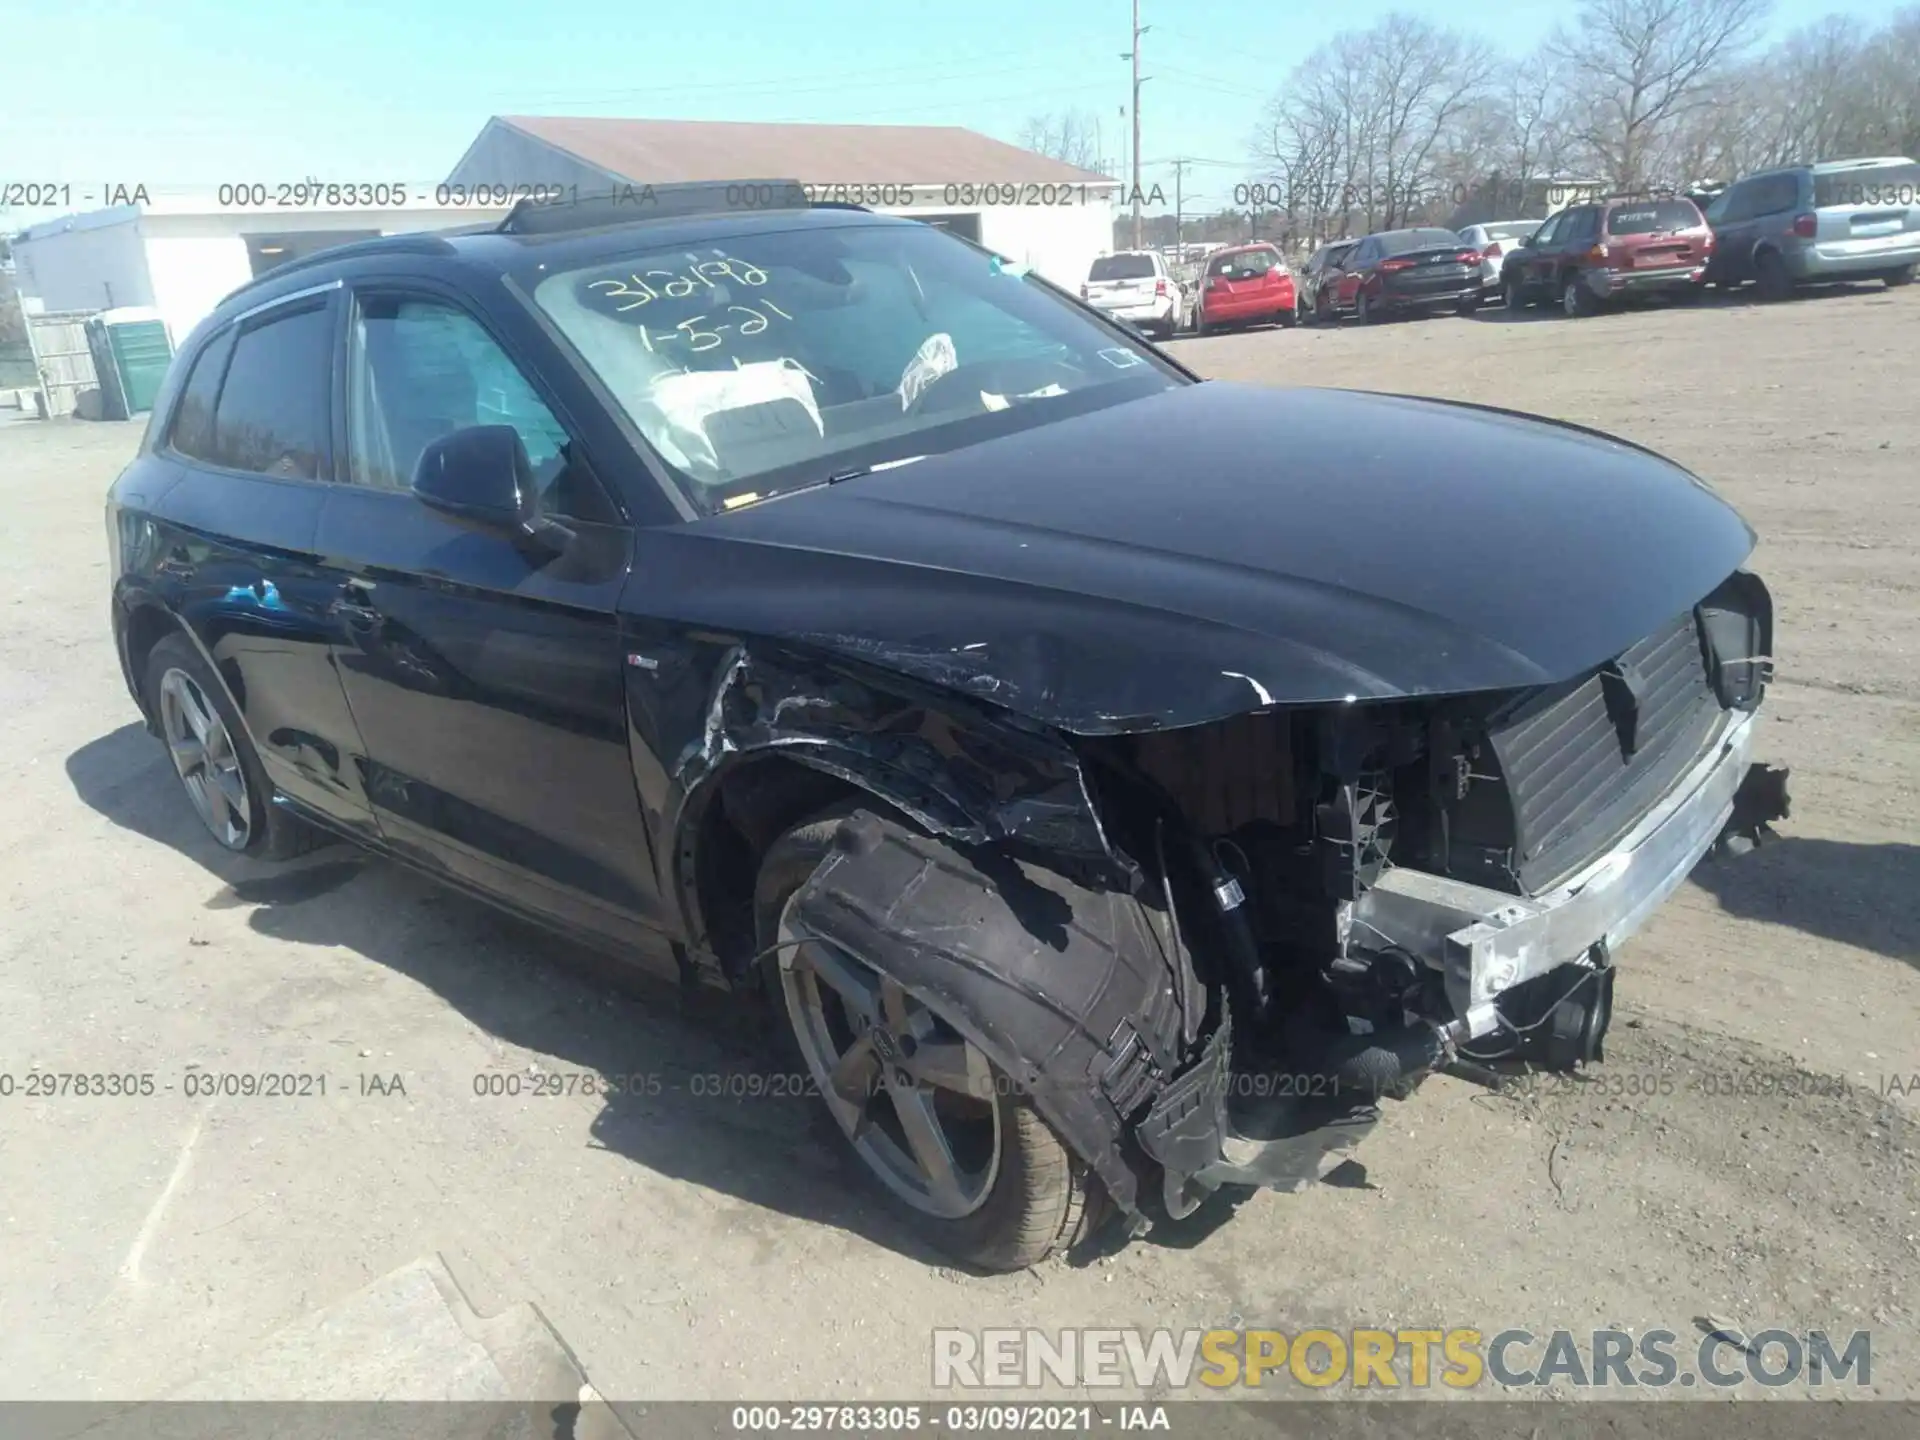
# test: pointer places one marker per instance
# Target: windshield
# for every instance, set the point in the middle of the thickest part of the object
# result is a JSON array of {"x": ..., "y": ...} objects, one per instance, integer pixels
[
  {"x": 1401, "y": 242},
  {"x": 781, "y": 359},
  {"x": 1244, "y": 264},
  {"x": 1660, "y": 215},
  {"x": 1122, "y": 267},
  {"x": 1895, "y": 183}
]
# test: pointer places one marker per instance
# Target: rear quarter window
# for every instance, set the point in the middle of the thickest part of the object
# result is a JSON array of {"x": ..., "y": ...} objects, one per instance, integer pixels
[
  {"x": 1659, "y": 215},
  {"x": 1878, "y": 185},
  {"x": 192, "y": 433}
]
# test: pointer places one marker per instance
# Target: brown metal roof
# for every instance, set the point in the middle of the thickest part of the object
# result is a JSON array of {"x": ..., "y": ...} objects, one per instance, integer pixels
[{"x": 669, "y": 151}]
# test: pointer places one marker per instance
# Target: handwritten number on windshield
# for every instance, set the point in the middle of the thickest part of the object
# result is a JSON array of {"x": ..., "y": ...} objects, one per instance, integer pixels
[
  {"x": 677, "y": 285},
  {"x": 697, "y": 339}
]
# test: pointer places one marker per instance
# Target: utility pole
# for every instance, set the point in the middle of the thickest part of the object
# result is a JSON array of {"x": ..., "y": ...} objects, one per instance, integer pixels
[
  {"x": 1179, "y": 207},
  {"x": 1138, "y": 81}
]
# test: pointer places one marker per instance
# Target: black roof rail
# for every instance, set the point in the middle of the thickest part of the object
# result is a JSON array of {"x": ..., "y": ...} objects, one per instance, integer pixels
[
  {"x": 626, "y": 202},
  {"x": 378, "y": 245}
]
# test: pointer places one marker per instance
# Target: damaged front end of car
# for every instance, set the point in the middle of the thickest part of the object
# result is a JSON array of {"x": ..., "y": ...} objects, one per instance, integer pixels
[{"x": 1310, "y": 907}]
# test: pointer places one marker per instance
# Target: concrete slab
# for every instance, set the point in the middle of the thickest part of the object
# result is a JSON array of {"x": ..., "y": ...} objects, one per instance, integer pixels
[{"x": 407, "y": 1355}]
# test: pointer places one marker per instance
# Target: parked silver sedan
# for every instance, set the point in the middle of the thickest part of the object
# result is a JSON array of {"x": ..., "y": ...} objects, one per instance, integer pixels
[{"x": 1493, "y": 240}]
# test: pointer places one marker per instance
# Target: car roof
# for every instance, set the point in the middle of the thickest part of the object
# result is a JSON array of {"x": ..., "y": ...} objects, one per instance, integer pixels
[
  {"x": 487, "y": 249},
  {"x": 1238, "y": 246},
  {"x": 1407, "y": 230},
  {"x": 1833, "y": 167}
]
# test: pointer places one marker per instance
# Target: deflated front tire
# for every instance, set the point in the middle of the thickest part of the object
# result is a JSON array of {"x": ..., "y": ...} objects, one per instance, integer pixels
[{"x": 964, "y": 1161}]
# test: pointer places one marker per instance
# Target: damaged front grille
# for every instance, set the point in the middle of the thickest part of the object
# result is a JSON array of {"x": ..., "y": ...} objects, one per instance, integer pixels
[{"x": 1583, "y": 760}]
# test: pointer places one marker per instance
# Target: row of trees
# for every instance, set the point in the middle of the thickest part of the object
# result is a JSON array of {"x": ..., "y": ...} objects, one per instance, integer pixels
[{"x": 1409, "y": 122}]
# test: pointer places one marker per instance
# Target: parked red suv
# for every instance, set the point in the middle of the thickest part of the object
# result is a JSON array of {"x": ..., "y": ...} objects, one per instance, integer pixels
[
  {"x": 1590, "y": 254},
  {"x": 1245, "y": 285}
]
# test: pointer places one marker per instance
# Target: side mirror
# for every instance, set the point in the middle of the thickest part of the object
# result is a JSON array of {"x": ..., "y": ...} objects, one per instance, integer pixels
[{"x": 481, "y": 476}]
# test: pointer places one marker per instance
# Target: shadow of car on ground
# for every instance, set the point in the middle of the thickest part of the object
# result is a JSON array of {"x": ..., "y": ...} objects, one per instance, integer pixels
[{"x": 728, "y": 1115}]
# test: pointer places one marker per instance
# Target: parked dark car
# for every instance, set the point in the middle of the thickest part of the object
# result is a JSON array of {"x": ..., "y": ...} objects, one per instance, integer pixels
[
  {"x": 1407, "y": 272},
  {"x": 1117, "y": 785},
  {"x": 1589, "y": 255},
  {"x": 1245, "y": 285},
  {"x": 1313, "y": 296},
  {"x": 1814, "y": 224}
]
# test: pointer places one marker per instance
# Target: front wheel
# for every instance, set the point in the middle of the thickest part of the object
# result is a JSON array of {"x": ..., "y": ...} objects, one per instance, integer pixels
[
  {"x": 214, "y": 758},
  {"x": 966, "y": 1162}
]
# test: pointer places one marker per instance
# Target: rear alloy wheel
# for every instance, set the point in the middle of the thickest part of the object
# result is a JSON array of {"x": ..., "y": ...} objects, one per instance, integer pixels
[
  {"x": 216, "y": 762},
  {"x": 1771, "y": 277},
  {"x": 967, "y": 1162},
  {"x": 1575, "y": 298}
]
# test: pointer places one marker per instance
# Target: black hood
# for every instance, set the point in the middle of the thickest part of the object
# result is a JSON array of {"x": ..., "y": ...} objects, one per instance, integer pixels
[{"x": 1219, "y": 547}]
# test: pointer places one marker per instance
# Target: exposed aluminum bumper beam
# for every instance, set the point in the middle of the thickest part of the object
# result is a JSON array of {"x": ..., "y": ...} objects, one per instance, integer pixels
[{"x": 1487, "y": 942}]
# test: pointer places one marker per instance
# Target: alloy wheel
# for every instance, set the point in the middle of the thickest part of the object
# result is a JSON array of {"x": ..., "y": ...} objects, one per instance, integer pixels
[
  {"x": 203, "y": 755},
  {"x": 914, "y": 1098}
]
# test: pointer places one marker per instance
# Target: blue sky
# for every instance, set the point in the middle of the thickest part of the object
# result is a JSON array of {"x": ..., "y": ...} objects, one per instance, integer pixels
[{"x": 190, "y": 93}]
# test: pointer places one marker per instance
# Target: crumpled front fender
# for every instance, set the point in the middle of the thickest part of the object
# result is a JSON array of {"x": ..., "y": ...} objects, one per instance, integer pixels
[{"x": 1074, "y": 993}]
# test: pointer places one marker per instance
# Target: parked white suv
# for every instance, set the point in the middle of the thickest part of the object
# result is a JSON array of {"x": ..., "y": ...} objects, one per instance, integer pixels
[{"x": 1137, "y": 286}]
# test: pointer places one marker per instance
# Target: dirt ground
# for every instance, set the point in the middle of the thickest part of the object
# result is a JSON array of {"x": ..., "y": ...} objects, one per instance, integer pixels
[{"x": 689, "y": 1246}]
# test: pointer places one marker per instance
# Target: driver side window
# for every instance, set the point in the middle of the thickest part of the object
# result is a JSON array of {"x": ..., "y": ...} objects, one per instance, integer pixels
[{"x": 419, "y": 368}]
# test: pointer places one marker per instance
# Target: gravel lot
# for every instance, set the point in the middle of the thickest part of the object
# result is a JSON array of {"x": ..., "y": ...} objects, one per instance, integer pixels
[{"x": 689, "y": 1246}]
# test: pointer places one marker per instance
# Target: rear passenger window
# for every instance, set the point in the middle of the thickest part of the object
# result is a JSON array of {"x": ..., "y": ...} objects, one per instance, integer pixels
[
  {"x": 193, "y": 422},
  {"x": 272, "y": 414}
]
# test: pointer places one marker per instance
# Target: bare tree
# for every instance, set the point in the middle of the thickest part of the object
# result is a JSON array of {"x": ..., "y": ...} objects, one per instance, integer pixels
[
  {"x": 1071, "y": 135},
  {"x": 1639, "y": 69},
  {"x": 1369, "y": 128}
]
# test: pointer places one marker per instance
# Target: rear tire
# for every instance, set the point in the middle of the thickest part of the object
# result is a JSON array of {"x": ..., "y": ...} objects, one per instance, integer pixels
[
  {"x": 1289, "y": 317},
  {"x": 1771, "y": 277},
  {"x": 1513, "y": 294},
  {"x": 217, "y": 765},
  {"x": 1039, "y": 1199},
  {"x": 1902, "y": 276},
  {"x": 1576, "y": 300}
]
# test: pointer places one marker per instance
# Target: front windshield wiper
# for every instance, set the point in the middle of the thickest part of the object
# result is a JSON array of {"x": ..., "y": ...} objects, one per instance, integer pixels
[{"x": 855, "y": 472}]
